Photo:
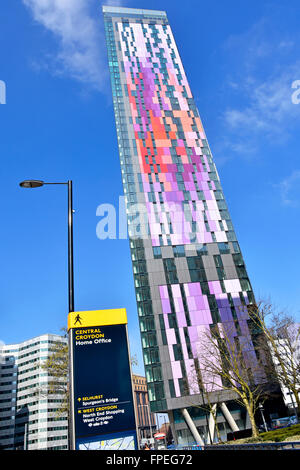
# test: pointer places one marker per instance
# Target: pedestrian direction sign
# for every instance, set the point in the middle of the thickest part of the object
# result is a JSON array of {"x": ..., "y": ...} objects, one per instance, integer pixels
[{"x": 101, "y": 388}]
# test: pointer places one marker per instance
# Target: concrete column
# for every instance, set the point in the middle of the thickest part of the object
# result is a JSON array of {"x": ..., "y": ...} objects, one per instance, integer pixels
[
  {"x": 191, "y": 425},
  {"x": 211, "y": 423},
  {"x": 229, "y": 417}
]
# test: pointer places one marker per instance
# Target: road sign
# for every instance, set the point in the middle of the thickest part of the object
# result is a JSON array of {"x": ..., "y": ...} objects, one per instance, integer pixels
[{"x": 103, "y": 415}]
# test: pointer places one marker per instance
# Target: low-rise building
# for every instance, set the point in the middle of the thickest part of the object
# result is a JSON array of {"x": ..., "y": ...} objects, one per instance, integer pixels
[
  {"x": 145, "y": 418},
  {"x": 28, "y": 414},
  {"x": 286, "y": 352}
]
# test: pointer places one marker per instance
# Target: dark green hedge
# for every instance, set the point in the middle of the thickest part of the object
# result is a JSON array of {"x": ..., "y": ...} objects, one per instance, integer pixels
[{"x": 279, "y": 435}]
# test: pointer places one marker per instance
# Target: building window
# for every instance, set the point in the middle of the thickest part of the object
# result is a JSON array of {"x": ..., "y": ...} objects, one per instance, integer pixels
[{"x": 179, "y": 251}]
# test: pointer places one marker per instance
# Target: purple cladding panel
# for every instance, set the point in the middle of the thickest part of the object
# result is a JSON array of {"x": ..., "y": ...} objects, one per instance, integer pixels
[{"x": 200, "y": 318}]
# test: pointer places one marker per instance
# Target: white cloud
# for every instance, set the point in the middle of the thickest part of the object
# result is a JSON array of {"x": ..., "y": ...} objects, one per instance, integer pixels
[
  {"x": 270, "y": 109},
  {"x": 81, "y": 44},
  {"x": 264, "y": 63},
  {"x": 289, "y": 189}
]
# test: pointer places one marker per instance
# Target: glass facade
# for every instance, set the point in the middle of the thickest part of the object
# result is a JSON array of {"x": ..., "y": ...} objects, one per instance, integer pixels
[
  {"x": 188, "y": 270},
  {"x": 29, "y": 417}
]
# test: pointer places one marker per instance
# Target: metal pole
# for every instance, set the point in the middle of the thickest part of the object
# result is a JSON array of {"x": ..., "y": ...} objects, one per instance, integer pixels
[
  {"x": 38, "y": 183},
  {"x": 35, "y": 184},
  {"x": 151, "y": 433},
  {"x": 261, "y": 408},
  {"x": 70, "y": 247},
  {"x": 165, "y": 439},
  {"x": 140, "y": 420},
  {"x": 207, "y": 424},
  {"x": 156, "y": 422},
  {"x": 71, "y": 307}
]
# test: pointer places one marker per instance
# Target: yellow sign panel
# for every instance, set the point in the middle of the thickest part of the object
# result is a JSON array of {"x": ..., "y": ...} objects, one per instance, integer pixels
[{"x": 90, "y": 318}]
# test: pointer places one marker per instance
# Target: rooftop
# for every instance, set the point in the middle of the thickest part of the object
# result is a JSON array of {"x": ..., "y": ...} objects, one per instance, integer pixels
[{"x": 133, "y": 11}]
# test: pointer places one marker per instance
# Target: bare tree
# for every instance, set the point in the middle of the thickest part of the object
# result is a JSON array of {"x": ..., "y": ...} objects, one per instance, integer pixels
[
  {"x": 228, "y": 361},
  {"x": 134, "y": 361},
  {"x": 280, "y": 345}
]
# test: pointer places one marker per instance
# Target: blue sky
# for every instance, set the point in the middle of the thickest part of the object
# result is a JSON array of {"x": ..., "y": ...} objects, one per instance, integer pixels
[{"x": 241, "y": 59}]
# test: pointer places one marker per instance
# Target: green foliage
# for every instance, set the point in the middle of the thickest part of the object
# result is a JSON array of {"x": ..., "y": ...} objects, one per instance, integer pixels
[
  {"x": 57, "y": 367},
  {"x": 279, "y": 435}
]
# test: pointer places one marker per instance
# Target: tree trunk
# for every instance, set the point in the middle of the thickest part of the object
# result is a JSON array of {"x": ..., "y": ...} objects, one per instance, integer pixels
[{"x": 249, "y": 409}]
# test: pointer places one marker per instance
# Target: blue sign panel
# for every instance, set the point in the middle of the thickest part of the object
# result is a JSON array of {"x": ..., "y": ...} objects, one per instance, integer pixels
[{"x": 102, "y": 390}]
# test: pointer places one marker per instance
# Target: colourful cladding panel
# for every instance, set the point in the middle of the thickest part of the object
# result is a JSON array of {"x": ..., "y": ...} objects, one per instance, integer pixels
[
  {"x": 199, "y": 320},
  {"x": 178, "y": 175}
]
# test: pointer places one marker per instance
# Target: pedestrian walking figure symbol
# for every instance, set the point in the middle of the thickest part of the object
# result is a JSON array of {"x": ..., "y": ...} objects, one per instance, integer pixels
[{"x": 77, "y": 319}]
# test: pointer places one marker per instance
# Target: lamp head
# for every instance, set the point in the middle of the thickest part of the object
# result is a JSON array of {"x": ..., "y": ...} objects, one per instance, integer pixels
[{"x": 31, "y": 184}]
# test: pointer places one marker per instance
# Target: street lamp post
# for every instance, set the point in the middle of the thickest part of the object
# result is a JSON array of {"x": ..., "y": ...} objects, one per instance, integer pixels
[
  {"x": 165, "y": 429},
  {"x": 37, "y": 184},
  {"x": 261, "y": 409},
  {"x": 70, "y": 247}
]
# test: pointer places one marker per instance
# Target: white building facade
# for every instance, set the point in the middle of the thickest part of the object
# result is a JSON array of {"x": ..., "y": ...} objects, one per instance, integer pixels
[
  {"x": 288, "y": 348},
  {"x": 28, "y": 416}
]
